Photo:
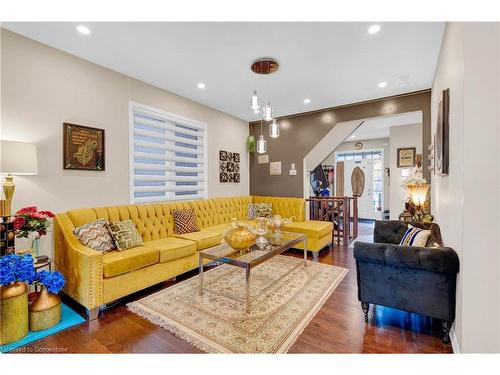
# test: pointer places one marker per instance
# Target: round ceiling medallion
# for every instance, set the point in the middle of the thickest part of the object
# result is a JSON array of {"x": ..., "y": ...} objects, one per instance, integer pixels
[{"x": 265, "y": 65}]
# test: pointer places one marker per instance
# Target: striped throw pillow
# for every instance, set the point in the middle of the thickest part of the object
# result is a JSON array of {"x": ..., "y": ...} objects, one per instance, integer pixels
[
  {"x": 185, "y": 221},
  {"x": 95, "y": 235},
  {"x": 415, "y": 236}
]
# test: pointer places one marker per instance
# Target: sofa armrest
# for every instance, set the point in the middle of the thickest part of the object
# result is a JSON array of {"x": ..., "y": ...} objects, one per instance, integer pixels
[
  {"x": 432, "y": 259},
  {"x": 81, "y": 266}
]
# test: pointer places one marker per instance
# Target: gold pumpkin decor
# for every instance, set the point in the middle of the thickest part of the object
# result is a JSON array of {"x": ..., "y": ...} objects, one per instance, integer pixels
[
  {"x": 45, "y": 311},
  {"x": 240, "y": 237},
  {"x": 13, "y": 312}
]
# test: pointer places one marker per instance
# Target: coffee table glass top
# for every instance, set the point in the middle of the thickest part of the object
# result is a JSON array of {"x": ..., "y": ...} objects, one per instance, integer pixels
[{"x": 255, "y": 254}]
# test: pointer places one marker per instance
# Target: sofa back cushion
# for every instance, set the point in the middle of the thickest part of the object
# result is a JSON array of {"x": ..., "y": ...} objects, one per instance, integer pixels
[
  {"x": 392, "y": 231},
  {"x": 284, "y": 206}
]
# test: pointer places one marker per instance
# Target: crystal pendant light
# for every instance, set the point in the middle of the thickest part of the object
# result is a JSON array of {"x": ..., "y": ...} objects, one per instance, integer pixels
[
  {"x": 255, "y": 102},
  {"x": 267, "y": 112},
  {"x": 261, "y": 145},
  {"x": 274, "y": 129}
]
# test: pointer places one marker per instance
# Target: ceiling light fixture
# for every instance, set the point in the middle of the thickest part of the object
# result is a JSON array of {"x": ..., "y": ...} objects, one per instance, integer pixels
[
  {"x": 353, "y": 136},
  {"x": 274, "y": 129},
  {"x": 373, "y": 29},
  {"x": 83, "y": 29},
  {"x": 267, "y": 112},
  {"x": 382, "y": 84},
  {"x": 255, "y": 105},
  {"x": 307, "y": 101},
  {"x": 201, "y": 85},
  {"x": 264, "y": 66}
]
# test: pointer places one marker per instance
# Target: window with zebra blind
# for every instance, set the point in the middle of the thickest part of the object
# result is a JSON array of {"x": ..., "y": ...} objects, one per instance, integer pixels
[{"x": 167, "y": 156}]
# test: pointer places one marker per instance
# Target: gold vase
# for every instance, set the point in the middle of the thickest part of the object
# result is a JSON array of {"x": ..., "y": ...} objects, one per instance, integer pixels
[
  {"x": 240, "y": 237},
  {"x": 45, "y": 311},
  {"x": 13, "y": 312}
]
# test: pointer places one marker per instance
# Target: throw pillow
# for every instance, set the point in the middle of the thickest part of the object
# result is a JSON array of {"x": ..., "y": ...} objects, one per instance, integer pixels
[
  {"x": 263, "y": 210},
  {"x": 125, "y": 234},
  {"x": 415, "y": 236},
  {"x": 185, "y": 221},
  {"x": 251, "y": 211},
  {"x": 95, "y": 235}
]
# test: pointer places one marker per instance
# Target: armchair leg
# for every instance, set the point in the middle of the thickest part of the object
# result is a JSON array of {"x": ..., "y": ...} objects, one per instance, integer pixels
[
  {"x": 93, "y": 314},
  {"x": 366, "y": 308},
  {"x": 446, "y": 331}
]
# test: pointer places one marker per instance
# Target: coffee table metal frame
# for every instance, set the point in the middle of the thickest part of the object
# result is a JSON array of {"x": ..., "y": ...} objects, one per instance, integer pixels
[{"x": 231, "y": 257}]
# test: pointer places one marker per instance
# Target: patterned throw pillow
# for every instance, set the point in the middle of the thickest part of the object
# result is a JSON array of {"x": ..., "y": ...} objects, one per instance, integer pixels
[
  {"x": 415, "y": 236},
  {"x": 251, "y": 211},
  {"x": 263, "y": 209},
  {"x": 185, "y": 221},
  {"x": 95, "y": 235},
  {"x": 124, "y": 234}
]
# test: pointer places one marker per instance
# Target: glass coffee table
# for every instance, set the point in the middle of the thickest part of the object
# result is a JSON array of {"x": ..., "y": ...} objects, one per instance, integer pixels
[{"x": 250, "y": 258}]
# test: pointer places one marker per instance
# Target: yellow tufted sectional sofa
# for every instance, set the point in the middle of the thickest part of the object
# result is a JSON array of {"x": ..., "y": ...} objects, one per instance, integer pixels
[{"x": 94, "y": 279}]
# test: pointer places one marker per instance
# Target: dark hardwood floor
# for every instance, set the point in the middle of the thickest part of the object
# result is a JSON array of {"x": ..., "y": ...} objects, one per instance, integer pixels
[{"x": 337, "y": 328}]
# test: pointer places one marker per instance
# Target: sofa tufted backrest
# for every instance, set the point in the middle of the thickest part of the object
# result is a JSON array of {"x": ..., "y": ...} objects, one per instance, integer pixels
[
  {"x": 284, "y": 206},
  {"x": 155, "y": 221}
]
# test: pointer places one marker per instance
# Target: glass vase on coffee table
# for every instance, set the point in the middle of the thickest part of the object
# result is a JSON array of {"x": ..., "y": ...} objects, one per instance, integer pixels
[
  {"x": 260, "y": 230},
  {"x": 277, "y": 222}
]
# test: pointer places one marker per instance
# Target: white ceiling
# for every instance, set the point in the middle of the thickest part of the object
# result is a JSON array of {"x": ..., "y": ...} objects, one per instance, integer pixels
[
  {"x": 380, "y": 127},
  {"x": 330, "y": 63}
]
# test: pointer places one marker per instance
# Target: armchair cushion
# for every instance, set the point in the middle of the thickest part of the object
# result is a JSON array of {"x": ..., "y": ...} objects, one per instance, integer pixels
[{"x": 436, "y": 259}]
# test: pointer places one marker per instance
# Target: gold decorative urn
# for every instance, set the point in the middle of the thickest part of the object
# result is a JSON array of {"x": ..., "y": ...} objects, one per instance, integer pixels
[
  {"x": 13, "y": 312},
  {"x": 240, "y": 237},
  {"x": 45, "y": 311}
]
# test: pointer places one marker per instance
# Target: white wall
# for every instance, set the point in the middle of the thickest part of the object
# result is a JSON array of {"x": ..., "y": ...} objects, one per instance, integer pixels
[
  {"x": 466, "y": 202},
  {"x": 368, "y": 144},
  {"x": 43, "y": 87},
  {"x": 401, "y": 137}
]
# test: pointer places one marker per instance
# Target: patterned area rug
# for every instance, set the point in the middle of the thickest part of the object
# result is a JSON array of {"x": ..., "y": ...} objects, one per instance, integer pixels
[{"x": 217, "y": 324}]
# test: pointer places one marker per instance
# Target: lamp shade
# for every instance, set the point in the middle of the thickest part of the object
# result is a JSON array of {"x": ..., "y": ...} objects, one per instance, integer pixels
[
  {"x": 18, "y": 158},
  {"x": 418, "y": 194}
]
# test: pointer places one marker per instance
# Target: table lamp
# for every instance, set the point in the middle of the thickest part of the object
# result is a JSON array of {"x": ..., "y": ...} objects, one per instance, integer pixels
[{"x": 16, "y": 158}]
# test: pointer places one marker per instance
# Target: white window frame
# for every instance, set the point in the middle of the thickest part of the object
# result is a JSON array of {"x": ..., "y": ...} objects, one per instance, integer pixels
[{"x": 133, "y": 107}]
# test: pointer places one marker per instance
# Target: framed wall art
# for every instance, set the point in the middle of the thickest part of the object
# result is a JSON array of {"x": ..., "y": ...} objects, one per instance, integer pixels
[
  {"x": 83, "y": 147},
  {"x": 229, "y": 166},
  {"x": 442, "y": 142},
  {"x": 406, "y": 157}
]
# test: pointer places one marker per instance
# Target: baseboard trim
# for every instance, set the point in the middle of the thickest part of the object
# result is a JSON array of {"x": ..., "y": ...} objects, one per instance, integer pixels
[{"x": 454, "y": 341}]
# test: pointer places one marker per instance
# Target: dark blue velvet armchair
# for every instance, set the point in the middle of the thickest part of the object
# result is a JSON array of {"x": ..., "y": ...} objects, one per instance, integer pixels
[{"x": 415, "y": 279}]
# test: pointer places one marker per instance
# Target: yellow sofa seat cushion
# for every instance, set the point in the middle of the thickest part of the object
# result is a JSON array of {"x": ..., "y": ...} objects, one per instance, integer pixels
[
  {"x": 172, "y": 248},
  {"x": 204, "y": 238},
  {"x": 219, "y": 228},
  {"x": 119, "y": 262},
  {"x": 311, "y": 228}
]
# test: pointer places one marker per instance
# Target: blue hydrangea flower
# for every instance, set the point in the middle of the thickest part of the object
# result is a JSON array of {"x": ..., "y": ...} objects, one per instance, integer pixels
[
  {"x": 8, "y": 264},
  {"x": 25, "y": 271},
  {"x": 53, "y": 281}
]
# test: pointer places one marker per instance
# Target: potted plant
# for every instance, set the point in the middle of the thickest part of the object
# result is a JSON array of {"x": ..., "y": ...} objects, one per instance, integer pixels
[
  {"x": 33, "y": 224},
  {"x": 45, "y": 310},
  {"x": 15, "y": 272}
]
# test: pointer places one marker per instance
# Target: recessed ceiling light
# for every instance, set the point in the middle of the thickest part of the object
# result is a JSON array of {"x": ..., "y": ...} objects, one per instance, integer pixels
[
  {"x": 307, "y": 101},
  {"x": 83, "y": 29},
  {"x": 373, "y": 29},
  {"x": 382, "y": 84},
  {"x": 201, "y": 85},
  {"x": 353, "y": 136}
]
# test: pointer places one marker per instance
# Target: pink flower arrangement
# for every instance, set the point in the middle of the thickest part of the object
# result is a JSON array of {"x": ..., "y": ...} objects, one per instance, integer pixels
[{"x": 29, "y": 220}]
